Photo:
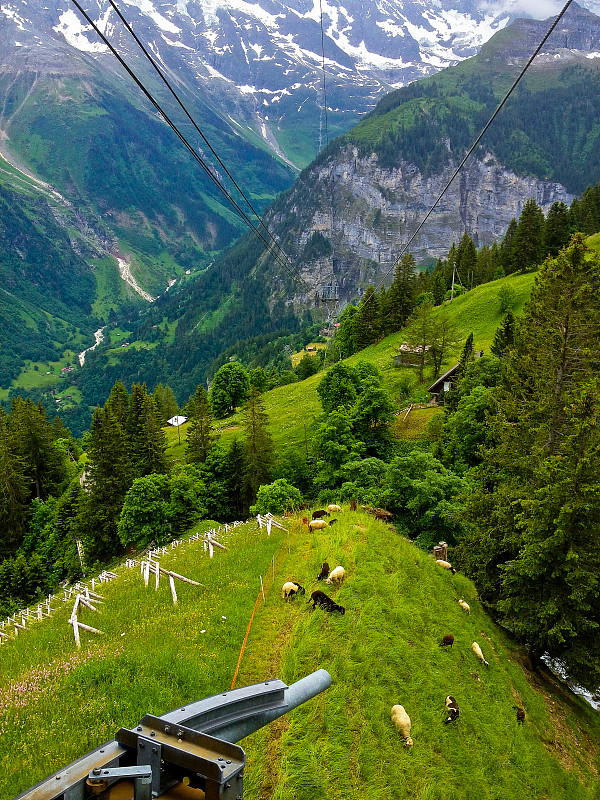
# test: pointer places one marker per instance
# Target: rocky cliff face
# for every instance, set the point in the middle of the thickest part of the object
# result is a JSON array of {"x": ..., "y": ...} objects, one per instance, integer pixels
[{"x": 376, "y": 210}]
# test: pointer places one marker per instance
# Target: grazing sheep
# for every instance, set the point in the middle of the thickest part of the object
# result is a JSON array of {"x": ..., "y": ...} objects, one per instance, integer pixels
[
  {"x": 333, "y": 508},
  {"x": 453, "y": 709},
  {"x": 465, "y": 606},
  {"x": 336, "y": 576},
  {"x": 320, "y": 599},
  {"x": 445, "y": 565},
  {"x": 320, "y": 514},
  {"x": 402, "y": 721},
  {"x": 290, "y": 589},
  {"x": 477, "y": 650},
  {"x": 353, "y": 505},
  {"x": 382, "y": 515},
  {"x": 520, "y": 715},
  {"x": 447, "y": 641},
  {"x": 317, "y": 525},
  {"x": 331, "y": 522},
  {"x": 324, "y": 571},
  {"x": 305, "y": 521}
]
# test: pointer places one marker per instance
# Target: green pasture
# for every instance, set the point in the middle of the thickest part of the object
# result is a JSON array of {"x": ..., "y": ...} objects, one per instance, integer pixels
[
  {"x": 292, "y": 409},
  {"x": 57, "y": 703}
]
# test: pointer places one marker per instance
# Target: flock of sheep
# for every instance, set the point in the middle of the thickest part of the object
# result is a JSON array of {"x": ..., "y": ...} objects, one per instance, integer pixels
[
  {"x": 399, "y": 715},
  {"x": 335, "y": 577}
]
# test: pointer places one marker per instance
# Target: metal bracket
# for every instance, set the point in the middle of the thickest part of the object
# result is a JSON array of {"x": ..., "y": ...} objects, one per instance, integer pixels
[
  {"x": 142, "y": 776},
  {"x": 199, "y": 760}
]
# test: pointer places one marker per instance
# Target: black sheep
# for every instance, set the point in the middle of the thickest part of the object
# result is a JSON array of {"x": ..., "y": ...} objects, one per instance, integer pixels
[
  {"x": 320, "y": 599},
  {"x": 520, "y": 715},
  {"x": 320, "y": 514},
  {"x": 447, "y": 640},
  {"x": 331, "y": 521},
  {"x": 324, "y": 571},
  {"x": 453, "y": 709}
]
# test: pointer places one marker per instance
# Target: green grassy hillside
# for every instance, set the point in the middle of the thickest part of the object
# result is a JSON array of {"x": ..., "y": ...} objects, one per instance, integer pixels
[
  {"x": 292, "y": 407},
  {"x": 153, "y": 657}
]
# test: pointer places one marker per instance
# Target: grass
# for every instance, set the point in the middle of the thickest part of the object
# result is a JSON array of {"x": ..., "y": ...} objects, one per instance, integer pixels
[
  {"x": 296, "y": 357},
  {"x": 292, "y": 409},
  {"x": 57, "y": 703}
]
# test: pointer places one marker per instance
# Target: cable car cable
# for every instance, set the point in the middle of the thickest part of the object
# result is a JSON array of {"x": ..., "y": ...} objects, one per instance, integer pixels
[
  {"x": 476, "y": 142},
  {"x": 186, "y": 143},
  {"x": 189, "y": 116}
]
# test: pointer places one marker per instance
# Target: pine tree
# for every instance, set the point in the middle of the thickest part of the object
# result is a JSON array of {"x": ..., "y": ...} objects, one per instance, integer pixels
[
  {"x": 33, "y": 437},
  {"x": 14, "y": 493},
  {"x": 401, "y": 295},
  {"x": 166, "y": 403},
  {"x": 146, "y": 442},
  {"x": 200, "y": 437},
  {"x": 366, "y": 322},
  {"x": 235, "y": 480},
  {"x": 528, "y": 247},
  {"x": 504, "y": 336},
  {"x": 557, "y": 230},
  {"x": 258, "y": 446},
  {"x": 466, "y": 261},
  {"x": 118, "y": 403},
  {"x": 532, "y": 546},
  {"x": 107, "y": 479},
  {"x": 507, "y": 259}
]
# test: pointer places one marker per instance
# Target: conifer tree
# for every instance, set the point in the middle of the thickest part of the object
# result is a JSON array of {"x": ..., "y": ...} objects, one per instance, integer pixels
[
  {"x": 557, "y": 230},
  {"x": 466, "y": 261},
  {"x": 366, "y": 322},
  {"x": 166, "y": 403},
  {"x": 33, "y": 436},
  {"x": 118, "y": 403},
  {"x": 107, "y": 479},
  {"x": 401, "y": 295},
  {"x": 200, "y": 437},
  {"x": 507, "y": 259},
  {"x": 235, "y": 480},
  {"x": 528, "y": 246},
  {"x": 532, "y": 545},
  {"x": 258, "y": 446},
  {"x": 146, "y": 442},
  {"x": 14, "y": 493},
  {"x": 504, "y": 336}
]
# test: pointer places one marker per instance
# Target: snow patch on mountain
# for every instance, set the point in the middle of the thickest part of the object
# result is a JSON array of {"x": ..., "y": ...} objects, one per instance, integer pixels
[
  {"x": 71, "y": 27},
  {"x": 147, "y": 8}
]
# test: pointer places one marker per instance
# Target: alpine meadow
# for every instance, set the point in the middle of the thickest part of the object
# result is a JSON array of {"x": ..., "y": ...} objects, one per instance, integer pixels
[{"x": 299, "y": 401}]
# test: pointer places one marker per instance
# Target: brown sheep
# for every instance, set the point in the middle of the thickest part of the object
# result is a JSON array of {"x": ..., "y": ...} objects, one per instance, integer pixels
[
  {"x": 447, "y": 641},
  {"x": 320, "y": 514}
]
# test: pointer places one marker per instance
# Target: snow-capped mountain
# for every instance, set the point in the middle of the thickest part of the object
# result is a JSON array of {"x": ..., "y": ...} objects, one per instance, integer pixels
[{"x": 261, "y": 63}]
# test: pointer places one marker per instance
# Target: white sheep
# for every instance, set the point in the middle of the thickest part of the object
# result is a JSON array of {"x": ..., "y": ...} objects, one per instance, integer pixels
[
  {"x": 333, "y": 508},
  {"x": 336, "y": 576},
  {"x": 317, "y": 525},
  {"x": 465, "y": 606},
  {"x": 477, "y": 650},
  {"x": 402, "y": 721},
  {"x": 290, "y": 589},
  {"x": 445, "y": 564}
]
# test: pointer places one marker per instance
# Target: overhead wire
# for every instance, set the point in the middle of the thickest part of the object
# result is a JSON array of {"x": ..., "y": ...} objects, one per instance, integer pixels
[
  {"x": 475, "y": 143},
  {"x": 331, "y": 179},
  {"x": 207, "y": 169},
  {"x": 169, "y": 86}
]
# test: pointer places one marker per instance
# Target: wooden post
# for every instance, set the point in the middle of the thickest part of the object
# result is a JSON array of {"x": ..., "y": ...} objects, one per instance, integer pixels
[
  {"x": 173, "y": 592},
  {"x": 74, "y": 623}
]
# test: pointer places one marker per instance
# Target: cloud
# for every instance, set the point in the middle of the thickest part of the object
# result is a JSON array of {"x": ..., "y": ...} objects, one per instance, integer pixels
[{"x": 537, "y": 9}]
